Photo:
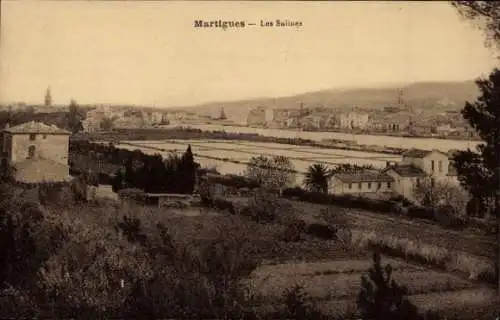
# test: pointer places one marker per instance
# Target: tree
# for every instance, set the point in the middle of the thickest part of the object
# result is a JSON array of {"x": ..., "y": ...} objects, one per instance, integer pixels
[
  {"x": 434, "y": 194},
  {"x": 479, "y": 171},
  {"x": 381, "y": 298},
  {"x": 275, "y": 173},
  {"x": 483, "y": 115},
  {"x": 188, "y": 170},
  {"x": 107, "y": 123},
  {"x": 316, "y": 178},
  {"x": 485, "y": 14},
  {"x": 118, "y": 180},
  {"x": 74, "y": 118}
]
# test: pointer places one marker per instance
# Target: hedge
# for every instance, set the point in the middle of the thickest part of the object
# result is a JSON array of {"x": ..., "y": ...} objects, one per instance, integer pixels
[{"x": 343, "y": 201}]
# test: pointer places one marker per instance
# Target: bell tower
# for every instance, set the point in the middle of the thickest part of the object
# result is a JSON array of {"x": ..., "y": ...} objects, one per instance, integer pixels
[{"x": 48, "y": 97}]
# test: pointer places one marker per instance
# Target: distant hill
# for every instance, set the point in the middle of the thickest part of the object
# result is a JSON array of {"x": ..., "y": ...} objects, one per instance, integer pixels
[{"x": 425, "y": 95}]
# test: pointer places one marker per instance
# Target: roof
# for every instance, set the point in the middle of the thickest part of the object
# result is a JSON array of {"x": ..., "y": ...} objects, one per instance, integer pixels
[
  {"x": 41, "y": 170},
  {"x": 36, "y": 127},
  {"x": 418, "y": 153},
  {"x": 365, "y": 176},
  {"x": 407, "y": 171}
]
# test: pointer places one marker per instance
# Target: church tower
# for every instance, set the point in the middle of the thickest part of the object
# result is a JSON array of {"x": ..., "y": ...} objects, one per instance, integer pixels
[{"x": 48, "y": 98}]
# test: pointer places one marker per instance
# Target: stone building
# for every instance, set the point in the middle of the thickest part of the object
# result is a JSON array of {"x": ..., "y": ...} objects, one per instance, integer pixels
[{"x": 34, "y": 152}]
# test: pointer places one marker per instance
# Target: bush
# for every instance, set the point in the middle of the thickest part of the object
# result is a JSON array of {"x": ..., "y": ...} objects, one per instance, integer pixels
[
  {"x": 294, "y": 230},
  {"x": 447, "y": 217},
  {"x": 298, "y": 305},
  {"x": 265, "y": 208},
  {"x": 381, "y": 298},
  {"x": 420, "y": 212},
  {"x": 223, "y": 204},
  {"x": 322, "y": 231}
]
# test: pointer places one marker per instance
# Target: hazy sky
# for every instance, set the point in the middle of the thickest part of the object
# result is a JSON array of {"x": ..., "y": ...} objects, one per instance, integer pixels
[{"x": 150, "y": 53}]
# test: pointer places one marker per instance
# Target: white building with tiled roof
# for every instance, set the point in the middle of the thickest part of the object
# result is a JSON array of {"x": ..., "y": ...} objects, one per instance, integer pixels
[
  {"x": 418, "y": 165},
  {"x": 368, "y": 183},
  {"x": 397, "y": 179},
  {"x": 37, "y": 152}
]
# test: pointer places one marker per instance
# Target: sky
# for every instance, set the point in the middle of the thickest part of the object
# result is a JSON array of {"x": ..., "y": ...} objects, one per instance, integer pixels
[{"x": 150, "y": 53}]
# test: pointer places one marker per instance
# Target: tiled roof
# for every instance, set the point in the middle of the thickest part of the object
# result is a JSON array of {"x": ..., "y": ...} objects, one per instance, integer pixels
[
  {"x": 365, "y": 176},
  {"x": 41, "y": 170},
  {"x": 36, "y": 127},
  {"x": 408, "y": 171}
]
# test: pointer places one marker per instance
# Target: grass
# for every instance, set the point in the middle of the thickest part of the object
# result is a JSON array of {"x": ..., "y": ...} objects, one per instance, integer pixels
[
  {"x": 343, "y": 285},
  {"x": 474, "y": 267}
]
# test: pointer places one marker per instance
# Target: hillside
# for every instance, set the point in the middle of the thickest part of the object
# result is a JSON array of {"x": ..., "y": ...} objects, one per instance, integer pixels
[{"x": 425, "y": 95}]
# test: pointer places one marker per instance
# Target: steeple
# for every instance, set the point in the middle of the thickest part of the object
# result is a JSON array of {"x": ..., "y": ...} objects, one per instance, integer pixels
[
  {"x": 400, "y": 99},
  {"x": 222, "y": 115},
  {"x": 48, "y": 98}
]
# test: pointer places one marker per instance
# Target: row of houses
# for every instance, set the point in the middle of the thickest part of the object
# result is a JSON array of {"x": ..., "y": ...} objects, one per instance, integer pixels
[
  {"x": 397, "y": 178},
  {"x": 385, "y": 120},
  {"x": 123, "y": 118}
]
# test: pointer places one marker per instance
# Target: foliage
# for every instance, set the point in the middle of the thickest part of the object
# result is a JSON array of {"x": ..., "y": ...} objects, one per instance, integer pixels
[
  {"x": 294, "y": 230},
  {"x": 150, "y": 173},
  {"x": 275, "y": 173},
  {"x": 433, "y": 194},
  {"x": 381, "y": 298},
  {"x": 74, "y": 118},
  {"x": 297, "y": 305},
  {"x": 265, "y": 208},
  {"x": 478, "y": 172},
  {"x": 316, "y": 178},
  {"x": 107, "y": 123},
  {"x": 486, "y": 14}
]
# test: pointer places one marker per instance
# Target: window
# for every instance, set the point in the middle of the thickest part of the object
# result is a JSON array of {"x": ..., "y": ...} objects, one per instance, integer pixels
[
  {"x": 44, "y": 136},
  {"x": 31, "y": 152},
  {"x": 379, "y": 185},
  {"x": 350, "y": 185},
  {"x": 432, "y": 165},
  {"x": 418, "y": 182},
  {"x": 388, "y": 185},
  {"x": 440, "y": 166},
  {"x": 32, "y": 136},
  {"x": 360, "y": 185},
  {"x": 433, "y": 182},
  {"x": 369, "y": 185}
]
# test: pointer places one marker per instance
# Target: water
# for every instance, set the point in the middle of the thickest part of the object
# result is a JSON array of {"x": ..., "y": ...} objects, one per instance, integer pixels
[{"x": 443, "y": 145}]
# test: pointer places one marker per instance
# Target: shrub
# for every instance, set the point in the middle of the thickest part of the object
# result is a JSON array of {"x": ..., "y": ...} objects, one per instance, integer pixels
[
  {"x": 223, "y": 204},
  {"x": 264, "y": 208},
  {"x": 322, "y": 231},
  {"x": 294, "y": 230},
  {"x": 421, "y": 212},
  {"x": 447, "y": 217},
  {"x": 298, "y": 305},
  {"x": 381, "y": 298}
]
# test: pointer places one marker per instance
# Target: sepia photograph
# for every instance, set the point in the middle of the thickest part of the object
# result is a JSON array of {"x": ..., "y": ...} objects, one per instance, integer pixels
[{"x": 250, "y": 160}]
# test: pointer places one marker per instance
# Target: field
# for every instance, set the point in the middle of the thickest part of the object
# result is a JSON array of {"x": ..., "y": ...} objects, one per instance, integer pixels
[
  {"x": 211, "y": 152},
  {"x": 330, "y": 271}
]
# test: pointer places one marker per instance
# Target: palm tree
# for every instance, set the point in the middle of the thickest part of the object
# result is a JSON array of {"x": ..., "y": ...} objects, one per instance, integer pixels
[{"x": 316, "y": 179}]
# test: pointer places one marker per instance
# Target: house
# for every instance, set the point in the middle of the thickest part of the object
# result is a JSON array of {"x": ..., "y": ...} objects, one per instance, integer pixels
[
  {"x": 416, "y": 166},
  {"x": 354, "y": 120},
  {"x": 91, "y": 124},
  {"x": 444, "y": 129},
  {"x": 36, "y": 152},
  {"x": 368, "y": 183}
]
